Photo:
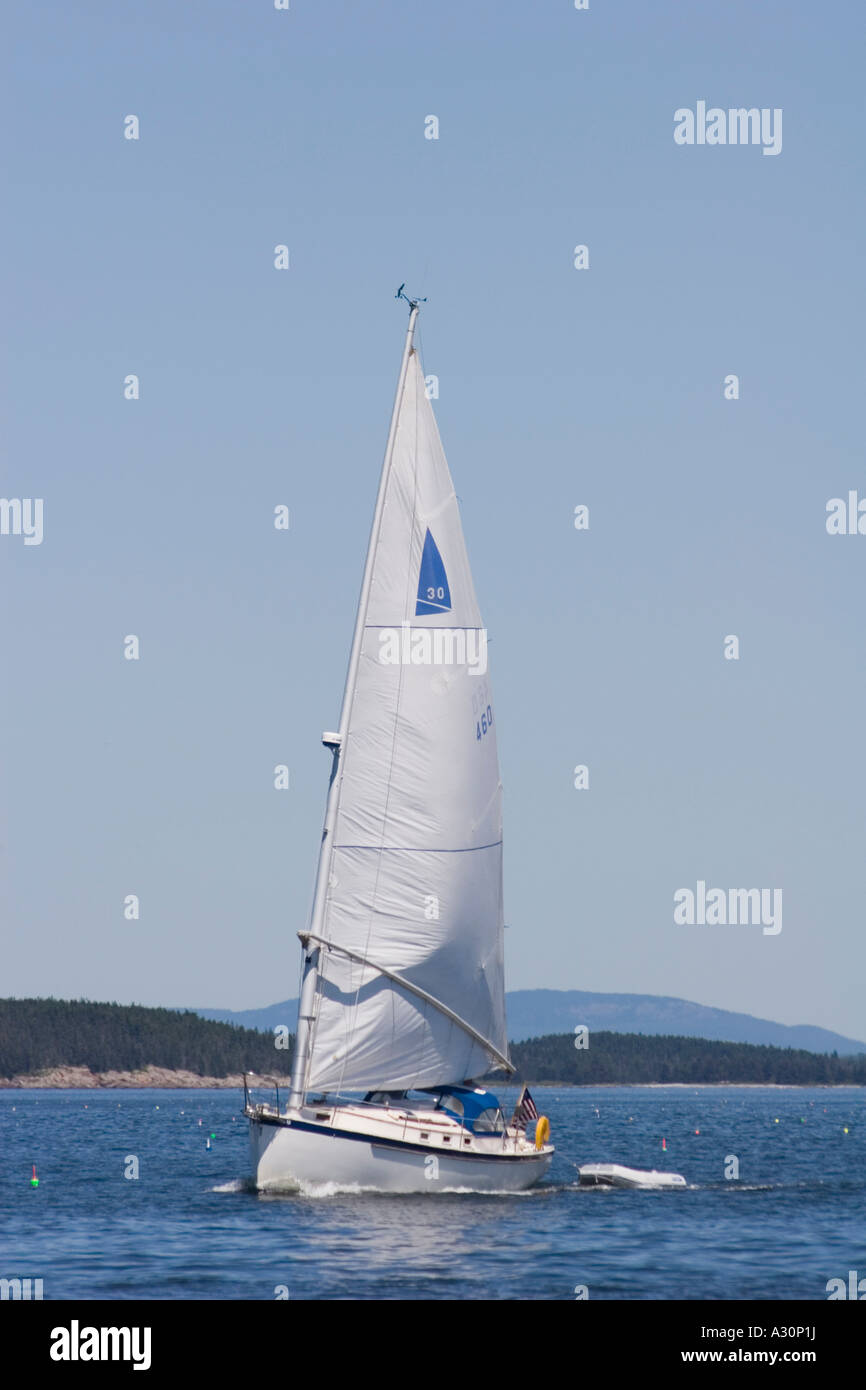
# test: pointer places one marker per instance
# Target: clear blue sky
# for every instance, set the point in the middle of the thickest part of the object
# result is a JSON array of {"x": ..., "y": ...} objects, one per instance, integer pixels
[{"x": 557, "y": 387}]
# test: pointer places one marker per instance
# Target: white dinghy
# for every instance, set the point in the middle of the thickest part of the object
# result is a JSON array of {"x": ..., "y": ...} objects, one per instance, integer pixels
[
  {"x": 402, "y": 1002},
  {"x": 616, "y": 1175}
]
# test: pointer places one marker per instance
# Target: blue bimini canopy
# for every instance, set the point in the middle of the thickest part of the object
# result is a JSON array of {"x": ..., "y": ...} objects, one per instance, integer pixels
[{"x": 478, "y": 1110}]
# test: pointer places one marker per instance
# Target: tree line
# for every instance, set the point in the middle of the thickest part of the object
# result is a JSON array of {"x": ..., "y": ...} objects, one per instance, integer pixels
[
  {"x": 635, "y": 1058},
  {"x": 38, "y": 1034}
]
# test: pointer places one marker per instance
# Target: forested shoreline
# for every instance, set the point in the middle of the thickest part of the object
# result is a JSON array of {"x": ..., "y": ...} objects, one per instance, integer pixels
[
  {"x": 636, "y": 1059},
  {"x": 47, "y": 1036},
  {"x": 43, "y": 1034}
]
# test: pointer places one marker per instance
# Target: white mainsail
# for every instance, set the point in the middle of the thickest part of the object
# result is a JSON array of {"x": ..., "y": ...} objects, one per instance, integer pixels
[{"x": 410, "y": 987}]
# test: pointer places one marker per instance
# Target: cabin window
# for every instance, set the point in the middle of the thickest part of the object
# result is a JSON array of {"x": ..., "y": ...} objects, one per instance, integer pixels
[
  {"x": 453, "y": 1103},
  {"x": 383, "y": 1097},
  {"x": 488, "y": 1122}
]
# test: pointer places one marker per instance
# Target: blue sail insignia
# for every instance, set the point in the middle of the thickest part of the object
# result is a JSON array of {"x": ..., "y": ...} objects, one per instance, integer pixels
[{"x": 434, "y": 596}]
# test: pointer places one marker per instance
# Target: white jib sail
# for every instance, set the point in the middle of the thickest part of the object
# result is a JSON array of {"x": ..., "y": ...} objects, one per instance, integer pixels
[{"x": 415, "y": 887}]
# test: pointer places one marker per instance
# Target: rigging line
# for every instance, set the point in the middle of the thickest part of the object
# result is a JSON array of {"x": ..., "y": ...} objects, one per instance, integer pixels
[
  {"x": 419, "y": 328},
  {"x": 333, "y": 806},
  {"x": 400, "y": 980}
]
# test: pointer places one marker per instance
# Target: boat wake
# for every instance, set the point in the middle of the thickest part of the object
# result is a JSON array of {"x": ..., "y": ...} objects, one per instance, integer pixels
[
  {"x": 596, "y": 1189},
  {"x": 294, "y": 1187},
  {"x": 319, "y": 1190}
]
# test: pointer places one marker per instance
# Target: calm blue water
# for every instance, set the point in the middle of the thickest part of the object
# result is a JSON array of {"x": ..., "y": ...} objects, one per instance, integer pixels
[{"x": 189, "y": 1228}]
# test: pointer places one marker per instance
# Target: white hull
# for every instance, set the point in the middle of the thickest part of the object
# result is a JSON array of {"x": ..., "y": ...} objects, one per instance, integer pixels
[
  {"x": 351, "y": 1150},
  {"x": 617, "y": 1175}
]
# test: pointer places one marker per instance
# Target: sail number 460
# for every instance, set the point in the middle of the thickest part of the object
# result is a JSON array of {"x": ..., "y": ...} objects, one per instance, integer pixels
[{"x": 484, "y": 723}]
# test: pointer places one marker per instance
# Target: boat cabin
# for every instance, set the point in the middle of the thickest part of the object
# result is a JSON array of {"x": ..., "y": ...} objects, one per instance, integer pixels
[{"x": 477, "y": 1110}]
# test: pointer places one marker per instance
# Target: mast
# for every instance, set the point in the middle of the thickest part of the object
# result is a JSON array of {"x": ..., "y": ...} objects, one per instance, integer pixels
[{"x": 306, "y": 1005}]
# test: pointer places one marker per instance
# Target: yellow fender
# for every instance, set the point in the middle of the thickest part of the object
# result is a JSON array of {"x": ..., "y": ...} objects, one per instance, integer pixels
[{"x": 542, "y": 1131}]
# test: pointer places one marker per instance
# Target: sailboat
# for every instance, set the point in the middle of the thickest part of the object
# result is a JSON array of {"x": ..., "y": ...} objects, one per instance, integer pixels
[{"x": 402, "y": 1007}]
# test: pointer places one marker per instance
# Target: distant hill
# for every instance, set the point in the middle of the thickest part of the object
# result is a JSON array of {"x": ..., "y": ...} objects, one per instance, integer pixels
[
  {"x": 266, "y": 1019},
  {"x": 534, "y": 1013}
]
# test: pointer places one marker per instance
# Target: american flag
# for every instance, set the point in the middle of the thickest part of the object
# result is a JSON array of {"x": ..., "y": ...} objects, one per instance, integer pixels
[{"x": 525, "y": 1109}]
